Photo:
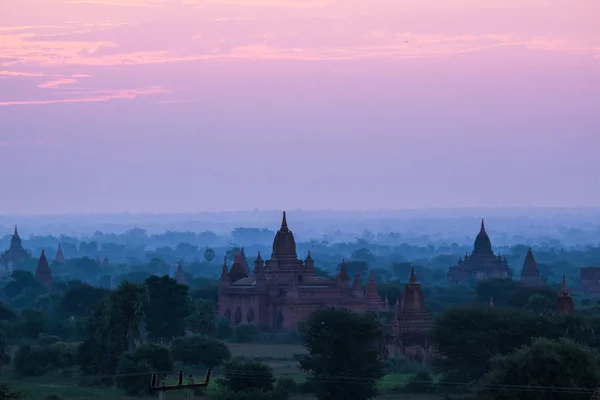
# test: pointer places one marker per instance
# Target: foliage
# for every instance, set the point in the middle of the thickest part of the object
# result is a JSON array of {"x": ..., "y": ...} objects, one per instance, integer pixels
[
  {"x": 224, "y": 329},
  {"x": 40, "y": 359},
  {"x": 342, "y": 351},
  {"x": 244, "y": 375},
  {"x": 137, "y": 367},
  {"x": 209, "y": 255},
  {"x": 167, "y": 308},
  {"x": 112, "y": 330},
  {"x": 203, "y": 318},
  {"x": 7, "y": 394},
  {"x": 544, "y": 363},
  {"x": 197, "y": 350},
  {"x": 467, "y": 338},
  {"x": 82, "y": 300}
]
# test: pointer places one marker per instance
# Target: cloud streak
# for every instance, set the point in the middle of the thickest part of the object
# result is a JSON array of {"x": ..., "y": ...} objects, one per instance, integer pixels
[{"x": 124, "y": 94}]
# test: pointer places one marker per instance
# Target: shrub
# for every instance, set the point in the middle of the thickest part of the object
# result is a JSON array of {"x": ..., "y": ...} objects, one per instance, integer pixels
[
  {"x": 38, "y": 360},
  {"x": 197, "y": 350}
]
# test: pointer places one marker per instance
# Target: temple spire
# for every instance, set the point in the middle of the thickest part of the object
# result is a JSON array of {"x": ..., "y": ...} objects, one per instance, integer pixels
[
  {"x": 344, "y": 272},
  {"x": 284, "y": 225},
  {"x": 412, "y": 279},
  {"x": 564, "y": 283},
  {"x": 482, "y": 225},
  {"x": 16, "y": 233},
  {"x": 225, "y": 271}
]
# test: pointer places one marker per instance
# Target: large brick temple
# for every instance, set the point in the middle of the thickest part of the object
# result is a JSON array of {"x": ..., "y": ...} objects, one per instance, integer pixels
[
  {"x": 481, "y": 264},
  {"x": 285, "y": 290}
]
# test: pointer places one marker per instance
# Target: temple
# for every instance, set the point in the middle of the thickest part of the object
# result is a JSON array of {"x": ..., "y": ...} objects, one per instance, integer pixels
[
  {"x": 408, "y": 332},
  {"x": 482, "y": 264},
  {"x": 180, "y": 276},
  {"x": 10, "y": 259},
  {"x": 60, "y": 257},
  {"x": 530, "y": 275},
  {"x": 564, "y": 302},
  {"x": 43, "y": 273},
  {"x": 284, "y": 290}
]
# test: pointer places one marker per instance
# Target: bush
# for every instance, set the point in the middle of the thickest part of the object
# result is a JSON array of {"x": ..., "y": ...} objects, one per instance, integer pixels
[
  {"x": 245, "y": 333},
  {"x": 246, "y": 375},
  {"x": 197, "y": 350},
  {"x": 7, "y": 394},
  {"x": 38, "y": 360}
]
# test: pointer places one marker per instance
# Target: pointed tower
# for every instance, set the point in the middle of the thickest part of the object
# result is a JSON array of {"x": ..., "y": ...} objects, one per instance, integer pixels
[
  {"x": 15, "y": 253},
  {"x": 483, "y": 244},
  {"x": 60, "y": 257},
  {"x": 284, "y": 244},
  {"x": 244, "y": 261},
  {"x": 43, "y": 273},
  {"x": 309, "y": 264},
  {"x": 180, "y": 276},
  {"x": 259, "y": 271},
  {"x": 372, "y": 297},
  {"x": 343, "y": 278},
  {"x": 357, "y": 287},
  {"x": 237, "y": 271},
  {"x": 530, "y": 275},
  {"x": 564, "y": 302},
  {"x": 105, "y": 262},
  {"x": 225, "y": 280},
  {"x": 411, "y": 311}
]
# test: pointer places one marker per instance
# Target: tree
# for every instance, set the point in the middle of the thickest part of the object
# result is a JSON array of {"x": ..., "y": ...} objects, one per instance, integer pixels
[
  {"x": 197, "y": 350},
  {"x": 209, "y": 255},
  {"x": 167, "y": 308},
  {"x": 112, "y": 330},
  {"x": 82, "y": 300},
  {"x": 466, "y": 338},
  {"x": 343, "y": 359},
  {"x": 545, "y": 363},
  {"x": 22, "y": 281},
  {"x": 203, "y": 319},
  {"x": 363, "y": 254}
]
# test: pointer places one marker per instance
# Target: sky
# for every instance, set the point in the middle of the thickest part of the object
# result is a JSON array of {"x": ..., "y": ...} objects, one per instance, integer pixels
[{"x": 205, "y": 105}]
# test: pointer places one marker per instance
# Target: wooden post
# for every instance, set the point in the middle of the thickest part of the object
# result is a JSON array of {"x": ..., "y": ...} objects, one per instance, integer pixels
[
  {"x": 162, "y": 394},
  {"x": 190, "y": 391}
]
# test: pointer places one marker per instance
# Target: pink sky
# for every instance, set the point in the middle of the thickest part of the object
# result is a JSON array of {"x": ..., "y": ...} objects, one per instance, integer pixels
[{"x": 189, "y": 105}]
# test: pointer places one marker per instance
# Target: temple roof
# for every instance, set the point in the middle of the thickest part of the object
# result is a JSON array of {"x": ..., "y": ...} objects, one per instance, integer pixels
[
  {"x": 244, "y": 261},
  {"x": 483, "y": 244},
  {"x": 530, "y": 269},
  {"x": 180, "y": 276},
  {"x": 237, "y": 271},
  {"x": 60, "y": 257},
  {"x": 412, "y": 299},
  {"x": 284, "y": 244},
  {"x": 43, "y": 272}
]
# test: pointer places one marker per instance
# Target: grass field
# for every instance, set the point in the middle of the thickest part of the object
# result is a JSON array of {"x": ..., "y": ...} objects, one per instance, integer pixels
[{"x": 279, "y": 356}]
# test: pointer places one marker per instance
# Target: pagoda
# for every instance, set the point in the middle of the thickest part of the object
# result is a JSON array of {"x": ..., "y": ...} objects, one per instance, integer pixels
[
  {"x": 11, "y": 258},
  {"x": 60, "y": 257},
  {"x": 43, "y": 273},
  {"x": 408, "y": 332},
  {"x": 530, "y": 275},
  {"x": 564, "y": 302},
  {"x": 285, "y": 290},
  {"x": 481, "y": 264},
  {"x": 180, "y": 276}
]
